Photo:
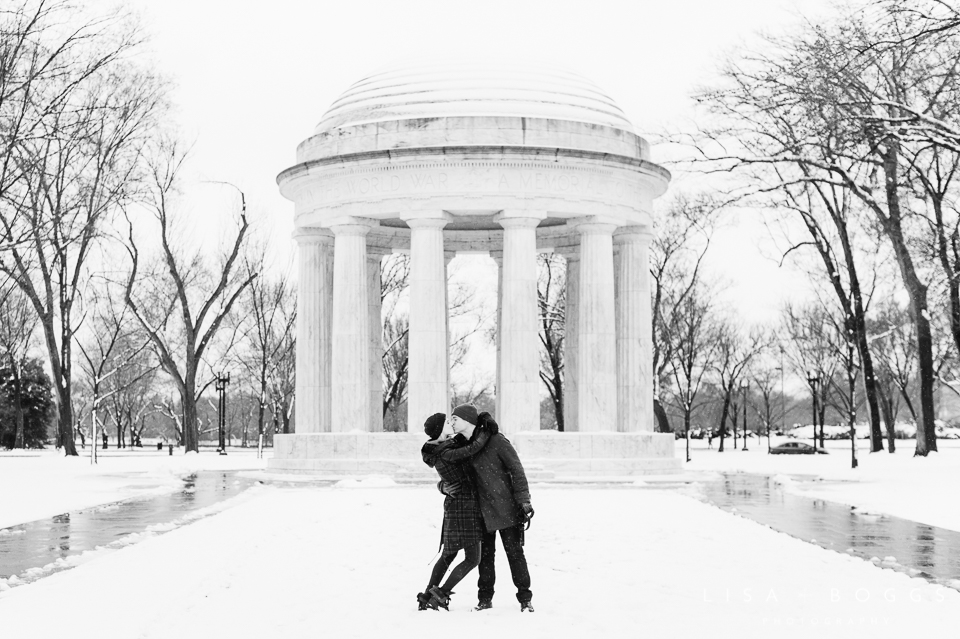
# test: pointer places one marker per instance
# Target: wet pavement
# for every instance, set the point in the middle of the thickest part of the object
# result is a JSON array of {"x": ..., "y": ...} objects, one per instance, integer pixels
[
  {"x": 38, "y": 548},
  {"x": 900, "y": 544}
]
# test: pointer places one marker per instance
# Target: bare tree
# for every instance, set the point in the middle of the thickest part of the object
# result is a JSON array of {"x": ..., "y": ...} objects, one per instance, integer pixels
[
  {"x": 551, "y": 301},
  {"x": 682, "y": 237},
  {"x": 17, "y": 325},
  {"x": 182, "y": 305},
  {"x": 810, "y": 350},
  {"x": 735, "y": 350},
  {"x": 694, "y": 346},
  {"x": 269, "y": 313},
  {"x": 79, "y": 114}
]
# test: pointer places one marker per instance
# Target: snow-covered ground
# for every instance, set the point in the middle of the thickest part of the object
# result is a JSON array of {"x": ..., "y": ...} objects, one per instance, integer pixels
[
  {"x": 921, "y": 489},
  {"x": 38, "y": 484},
  {"x": 347, "y": 562}
]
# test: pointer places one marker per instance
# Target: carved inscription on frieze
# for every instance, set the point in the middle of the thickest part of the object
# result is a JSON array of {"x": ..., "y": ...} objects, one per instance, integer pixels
[{"x": 480, "y": 179}]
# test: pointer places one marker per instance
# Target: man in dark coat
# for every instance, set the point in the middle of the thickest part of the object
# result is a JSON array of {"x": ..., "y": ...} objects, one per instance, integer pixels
[{"x": 504, "y": 504}]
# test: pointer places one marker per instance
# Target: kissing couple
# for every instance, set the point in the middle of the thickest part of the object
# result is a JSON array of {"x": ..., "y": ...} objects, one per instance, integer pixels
[{"x": 485, "y": 491}]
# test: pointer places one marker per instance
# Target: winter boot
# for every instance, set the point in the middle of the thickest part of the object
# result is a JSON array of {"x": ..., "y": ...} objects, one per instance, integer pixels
[
  {"x": 526, "y": 607},
  {"x": 484, "y": 604},
  {"x": 423, "y": 598},
  {"x": 439, "y": 598}
]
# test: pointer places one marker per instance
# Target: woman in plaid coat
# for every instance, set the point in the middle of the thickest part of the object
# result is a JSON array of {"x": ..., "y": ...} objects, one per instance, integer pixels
[{"x": 463, "y": 527}]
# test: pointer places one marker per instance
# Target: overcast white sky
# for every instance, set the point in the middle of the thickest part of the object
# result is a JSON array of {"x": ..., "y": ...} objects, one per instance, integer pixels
[{"x": 253, "y": 78}]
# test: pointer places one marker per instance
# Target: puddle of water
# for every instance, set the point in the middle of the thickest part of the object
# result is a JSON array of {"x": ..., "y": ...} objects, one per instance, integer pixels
[
  {"x": 36, "y": 549},
  {"x": 917, "y": 549}
]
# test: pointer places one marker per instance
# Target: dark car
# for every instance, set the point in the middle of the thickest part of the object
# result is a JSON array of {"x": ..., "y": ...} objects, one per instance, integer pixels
[{"x": 796, "y": 448}]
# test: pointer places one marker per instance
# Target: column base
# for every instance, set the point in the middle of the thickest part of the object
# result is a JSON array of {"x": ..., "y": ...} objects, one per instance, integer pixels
[{"x": 545, "y": 454}]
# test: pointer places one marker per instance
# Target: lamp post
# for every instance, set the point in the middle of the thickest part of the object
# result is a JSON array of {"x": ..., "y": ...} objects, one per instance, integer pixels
[
  {"x": 221, "y": 385},
  {"x": 813, "y": 379},
  {"x": 745, "y": 386}
]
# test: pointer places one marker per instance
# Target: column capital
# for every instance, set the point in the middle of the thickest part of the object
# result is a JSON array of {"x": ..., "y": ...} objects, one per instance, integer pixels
[
  {"x": 590, "y": 224},
  {"x": 349, "y": 225},
  {"x": 312, "y": 235},
  {"x": 497, "y": 257},
  {"x": 633, "y": 234},
  {"x": 519, "y": 218},
  {"x": 448, "y": 256},
  {"x": 426, "y": 219}
]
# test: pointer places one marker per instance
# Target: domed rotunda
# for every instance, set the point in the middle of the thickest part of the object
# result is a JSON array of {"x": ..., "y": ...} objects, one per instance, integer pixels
[{"x": 506, "y": 160}]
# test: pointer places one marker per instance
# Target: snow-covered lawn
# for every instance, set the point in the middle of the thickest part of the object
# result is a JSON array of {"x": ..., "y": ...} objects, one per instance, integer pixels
[
  {"x": 921, "y": 489},
  {"x": 347, "y": 562},
  {"x": 39, "y": 484}
]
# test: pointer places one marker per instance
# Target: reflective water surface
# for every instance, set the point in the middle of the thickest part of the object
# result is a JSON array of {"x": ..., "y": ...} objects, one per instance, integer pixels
[
  {"x": 33, "y": 550},
  {"x": 36, "y": 549},
  {"x": 917, "y": 549}
]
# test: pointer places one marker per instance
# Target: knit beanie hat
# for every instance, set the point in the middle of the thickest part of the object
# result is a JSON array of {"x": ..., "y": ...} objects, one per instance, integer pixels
[
  {"x": 466, "y": 412},
  {"x": 434, "y": 425}
]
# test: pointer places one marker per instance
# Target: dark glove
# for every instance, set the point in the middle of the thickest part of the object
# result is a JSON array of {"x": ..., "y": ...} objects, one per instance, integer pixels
[
  {"x": 486, "y": 422},
  {"x": 527, "y": 514}
]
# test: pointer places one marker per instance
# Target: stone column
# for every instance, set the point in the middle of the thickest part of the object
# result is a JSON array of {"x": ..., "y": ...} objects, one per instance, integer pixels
[
  {"x": 374, "y": 257},
  {"x": 428, "y": 388},
  {"x": 447, "y": 258},
  {"x": 350, "y": 370},
  {"x": 314, "y": 318},
  {"x": 634, "y": 331},
  {"x": 498, "y": 258},
  {"x": 519, "y": 345},
  {"x": 570, "y": 340},
  {"x": 597, "y": 352}
]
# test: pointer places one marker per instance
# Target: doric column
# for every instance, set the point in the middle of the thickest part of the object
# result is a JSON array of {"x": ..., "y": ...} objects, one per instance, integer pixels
[
  {"x": 374, "y": 257},
  {"x": 634, "y": 330},
  {"x": 428, "y": 388},
  {"x": 597, "y": 346},
  {"x": 314, "y": 317},
  {"x": 571, "y": 340},
  {"x": 447, "y": 258},
  {"x": 519, "y": 345},
  {"x": 350, "y": 370},
  {"x": 498, "y": 258}
]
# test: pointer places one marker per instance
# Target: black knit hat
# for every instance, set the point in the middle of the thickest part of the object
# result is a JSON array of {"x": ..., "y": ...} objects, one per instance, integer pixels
[
  {"x": 466, "y": 412},
  {"x": 434, "y": 425}
]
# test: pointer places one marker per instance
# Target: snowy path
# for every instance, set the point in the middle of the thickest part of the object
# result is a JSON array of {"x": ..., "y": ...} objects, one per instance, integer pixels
[{"x": 328, "y": 562}]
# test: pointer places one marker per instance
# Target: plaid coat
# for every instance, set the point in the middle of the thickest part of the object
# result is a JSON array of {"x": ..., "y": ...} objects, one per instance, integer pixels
[{"x": 462, "y": 520}]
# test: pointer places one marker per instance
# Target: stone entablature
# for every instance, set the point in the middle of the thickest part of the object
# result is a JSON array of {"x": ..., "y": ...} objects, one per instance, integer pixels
[
  {"x": 460, "y": 180},
  {"x": 518, "y": 132}
]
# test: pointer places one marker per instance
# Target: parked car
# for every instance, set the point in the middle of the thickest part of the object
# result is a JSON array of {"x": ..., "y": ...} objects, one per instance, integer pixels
[{"x": 796, "y": 448}]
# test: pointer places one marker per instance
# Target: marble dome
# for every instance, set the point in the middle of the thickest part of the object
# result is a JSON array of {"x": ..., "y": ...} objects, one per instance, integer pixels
[{"x": 460, "y": 89}]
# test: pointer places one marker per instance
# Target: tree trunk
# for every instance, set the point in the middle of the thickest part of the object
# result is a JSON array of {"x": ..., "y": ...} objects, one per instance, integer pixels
[
  {"x": 723, "y": 418},
  {"x": 886, "y": 405},
  {"x": 17, "y": 405},
  {"x": 663, "y": 424},
  {"x": 191, "y": 437},
  {"x": 926, "y": 433}
]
